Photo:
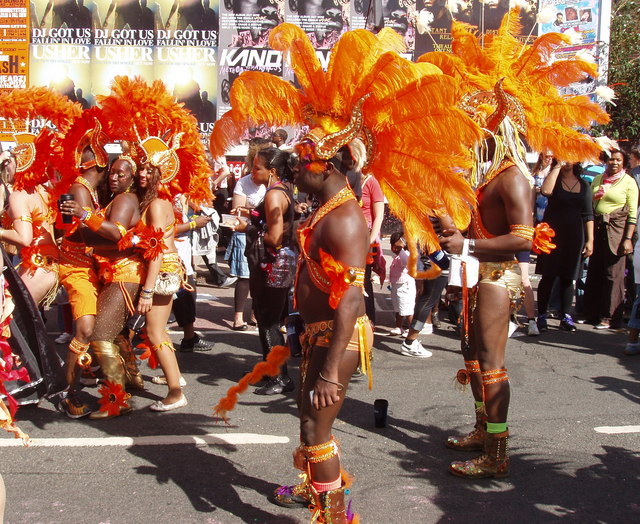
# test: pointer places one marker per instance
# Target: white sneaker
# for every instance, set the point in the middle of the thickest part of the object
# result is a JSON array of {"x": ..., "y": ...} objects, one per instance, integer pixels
[
  {"x": 632, "y": 348},
  {"x": 415, "y": 349},
  {"x": 405, "y": 333},
  {"x": 395, "y": 331},
  {"x": 63, "y": 338},
  {"x": 533, "y": 330},
  {"x": 427, "y": 329}
]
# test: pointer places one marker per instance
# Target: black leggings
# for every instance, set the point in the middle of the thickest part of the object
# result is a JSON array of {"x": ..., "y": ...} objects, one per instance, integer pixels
[
  {"x": 270, "y": 308},
  {"x": 565, "y": 289},
  {"x": 184, "y": 306}
]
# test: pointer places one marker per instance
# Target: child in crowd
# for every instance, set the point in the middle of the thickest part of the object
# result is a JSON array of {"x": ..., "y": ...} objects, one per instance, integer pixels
[{"x": 403, "y": 285}]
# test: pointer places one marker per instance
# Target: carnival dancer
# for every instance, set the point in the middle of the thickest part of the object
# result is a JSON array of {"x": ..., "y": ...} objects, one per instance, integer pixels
[
  {"x": 508, "y": 104},
  {"x": 355, "y": 112},
  {"x": 85, "y": 143},
  {"x": 30, "y": 216},
  {"x": 143, "y": 113},
  {"x": 121, "y": 273}
]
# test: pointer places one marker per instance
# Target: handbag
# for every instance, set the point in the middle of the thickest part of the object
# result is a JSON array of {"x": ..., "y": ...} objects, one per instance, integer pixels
[
  {"x": 281, "y": 268},
  {"x": 167, "y": 283}
]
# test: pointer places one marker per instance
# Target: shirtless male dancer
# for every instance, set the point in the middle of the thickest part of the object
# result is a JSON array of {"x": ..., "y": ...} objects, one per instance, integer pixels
[{"x": 337, "y": 330}]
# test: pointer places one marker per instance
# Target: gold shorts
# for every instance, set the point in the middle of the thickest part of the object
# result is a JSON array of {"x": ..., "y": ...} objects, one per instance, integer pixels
[{"x": 503, "y": 274}]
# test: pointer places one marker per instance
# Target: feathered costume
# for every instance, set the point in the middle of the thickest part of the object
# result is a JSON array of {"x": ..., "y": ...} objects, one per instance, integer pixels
[
  {"x": 506, "y": 78},
  {"x": 164, "y": 134},
  {"x": 406, "y": 114},
  {"x": 401, "y": 122}
]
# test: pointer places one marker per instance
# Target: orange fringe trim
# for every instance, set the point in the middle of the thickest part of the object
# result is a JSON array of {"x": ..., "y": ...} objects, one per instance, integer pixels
[{"x": 271, "y": 367}]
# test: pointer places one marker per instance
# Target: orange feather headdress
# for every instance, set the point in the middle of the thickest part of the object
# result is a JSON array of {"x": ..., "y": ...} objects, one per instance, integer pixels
[
  {"x": 405, "y": 114},
  {"x": 165, "y": 133},
  {"x": 505, "y": 79},
  {"x": 34, "y": 153}
]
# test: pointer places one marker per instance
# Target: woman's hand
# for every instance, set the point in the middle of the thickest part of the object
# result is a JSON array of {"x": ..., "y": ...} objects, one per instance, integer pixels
[
  {"x": 587, "y": 251},
  {"x": 241, "y": 211},
  {"x": 71, "y": 207},
  {"x": 626, "y": 247},
  {"x": 144, "y": 304},
  {"x": 201, "y": 221}
]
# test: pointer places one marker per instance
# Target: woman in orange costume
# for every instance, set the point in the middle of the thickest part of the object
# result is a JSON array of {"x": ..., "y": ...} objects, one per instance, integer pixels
[
  {"x": 141, "y": 114},
  {"x": 158, "y": 213},
  {"x": 30, "y": 215}
]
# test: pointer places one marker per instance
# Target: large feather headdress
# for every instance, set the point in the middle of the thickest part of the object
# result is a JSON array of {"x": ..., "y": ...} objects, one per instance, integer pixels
[
  {"x": 406, "y": 114},
  {"x": 504, "y": 69},
  {"x": 36, "y": 153},
  {"x": 164, "y": 132}
]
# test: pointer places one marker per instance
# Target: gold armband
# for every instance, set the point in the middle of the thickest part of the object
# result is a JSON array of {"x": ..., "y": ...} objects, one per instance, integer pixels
[
  {"x": 24, "y": 218},
  {"x": 522, "y": 231},
  {"x": 121, "y": 228}
]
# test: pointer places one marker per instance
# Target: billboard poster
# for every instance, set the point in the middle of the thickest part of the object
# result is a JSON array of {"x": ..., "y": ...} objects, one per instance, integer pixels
[
  {"x": 61, "y": 22},
  {"x": 187, "y": 23},
  {"x": 580, "y": 17},
  {"x": 323, "y": 21},
  {"x": 434, "y": 17},
  {"x": 14, "y": 56},
  {"x": 191, "y": 74},
  {"x": 580, "y": 20},
  {"x": 123, "y": 23},
  {"x": 244, "y": 46}
]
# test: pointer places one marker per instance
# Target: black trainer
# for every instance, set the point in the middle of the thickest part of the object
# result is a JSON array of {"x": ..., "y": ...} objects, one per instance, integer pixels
[
  {"x": 276, "y": 386},
  {"x": 194, "y": 344}
]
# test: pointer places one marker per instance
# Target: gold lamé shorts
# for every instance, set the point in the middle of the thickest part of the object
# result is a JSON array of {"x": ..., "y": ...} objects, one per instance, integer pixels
[{"x": 503, "y": 274}]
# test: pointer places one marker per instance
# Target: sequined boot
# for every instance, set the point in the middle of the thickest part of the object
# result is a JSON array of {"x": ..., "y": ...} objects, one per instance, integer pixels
[
  {"x": 474, "y": 441},
  {"x": 133, "y": 377},
  {"x": 114, "y": 398},
  {"x": 329, "y": 507},
  {"x": 298, "y": 496},
  {"x": 493, "y": 463}
]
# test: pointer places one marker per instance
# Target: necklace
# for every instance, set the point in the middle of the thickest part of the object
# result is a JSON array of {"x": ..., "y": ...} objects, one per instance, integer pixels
[
  {"x": 92, "y": 190},
  {"x": 566, "y": 186}
]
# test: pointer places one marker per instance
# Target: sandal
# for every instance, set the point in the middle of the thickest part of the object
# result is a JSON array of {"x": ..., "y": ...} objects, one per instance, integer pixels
[{"x": 242, "y": 327}]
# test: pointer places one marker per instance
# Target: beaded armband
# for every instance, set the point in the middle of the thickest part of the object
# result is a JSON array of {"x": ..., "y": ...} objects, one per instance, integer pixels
[
  {"x": 321, "y": 452},
  {"x": 24, "y": 218},
  {"x": 522, "y": 231},
  {"x": 464, "y": 375},
  {"x": 494, "y": 376},
  {"x": 80, "y": 349}
]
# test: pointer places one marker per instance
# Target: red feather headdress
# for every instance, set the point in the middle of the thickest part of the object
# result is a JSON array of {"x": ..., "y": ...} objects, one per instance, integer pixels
[{"x": 165, "y": 133}]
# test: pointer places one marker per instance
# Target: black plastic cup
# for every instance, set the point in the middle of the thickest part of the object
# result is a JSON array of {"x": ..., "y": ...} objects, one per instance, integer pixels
[
  {"x": 380, "y": 407},
  {"x": 66, "y": 219}
]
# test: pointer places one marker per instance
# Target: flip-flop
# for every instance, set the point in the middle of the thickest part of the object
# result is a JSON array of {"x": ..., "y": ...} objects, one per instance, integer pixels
[{"x": 243, "y": 327}]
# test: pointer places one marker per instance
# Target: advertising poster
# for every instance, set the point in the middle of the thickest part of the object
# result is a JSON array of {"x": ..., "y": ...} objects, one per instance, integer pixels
[
  {"x": 322, "y": 20},
  {"x": 434, "y": 17},
  {"x": 14, "y": 55},
  {"x": 580, "y": 17},
  {"x": 187, "y": 23},
  {"x": 124, "y": 42},
  {"x": 61, "y": 22},
  {"x": 191, "y": 74},
  {"x": 244, "y": 46},
  {"x": 580, "y": 20}
]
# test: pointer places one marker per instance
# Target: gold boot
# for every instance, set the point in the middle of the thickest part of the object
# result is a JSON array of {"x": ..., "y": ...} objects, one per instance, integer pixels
[
  {"x": 114, "y": 398},
  {"x": 133, "y": 377},
  {"x": 329, "y": 507},
  {"x": 493, "y": 463},
  {"x": 474, "y": 441}
]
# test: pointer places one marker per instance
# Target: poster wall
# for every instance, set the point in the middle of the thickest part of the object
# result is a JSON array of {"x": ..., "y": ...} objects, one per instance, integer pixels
[{"x": 199, "y": 47}]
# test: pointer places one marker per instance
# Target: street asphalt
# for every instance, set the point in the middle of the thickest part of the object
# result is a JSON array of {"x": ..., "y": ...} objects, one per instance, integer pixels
[{"x": 564, "y": 386}]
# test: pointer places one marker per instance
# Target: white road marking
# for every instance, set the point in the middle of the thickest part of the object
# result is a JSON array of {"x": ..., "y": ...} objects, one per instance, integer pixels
[
  {"x": 155, "y": 440},
  {"x": 612, "y": 430}
]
